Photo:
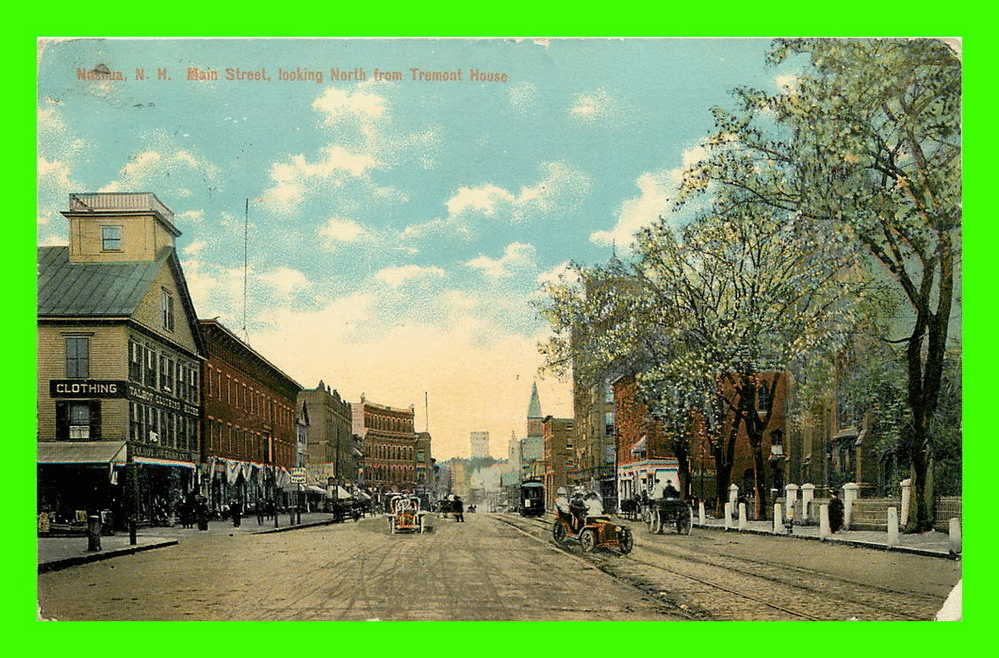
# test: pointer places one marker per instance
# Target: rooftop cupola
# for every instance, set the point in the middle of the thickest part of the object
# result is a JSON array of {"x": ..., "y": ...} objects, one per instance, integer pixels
[{"x": 118, "y": 227}]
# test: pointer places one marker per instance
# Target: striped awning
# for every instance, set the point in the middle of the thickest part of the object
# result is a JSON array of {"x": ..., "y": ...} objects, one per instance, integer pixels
[{"x": 81, "y": 452}]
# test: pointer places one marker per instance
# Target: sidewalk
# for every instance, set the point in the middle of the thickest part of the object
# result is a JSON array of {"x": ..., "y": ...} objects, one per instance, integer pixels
[
  {"x": 933, "y": 544},
  {"x": 56, "y": 553}
]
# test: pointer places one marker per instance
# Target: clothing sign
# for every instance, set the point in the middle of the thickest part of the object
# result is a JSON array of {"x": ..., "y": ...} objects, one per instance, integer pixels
[{"x": 87, "y": 388}]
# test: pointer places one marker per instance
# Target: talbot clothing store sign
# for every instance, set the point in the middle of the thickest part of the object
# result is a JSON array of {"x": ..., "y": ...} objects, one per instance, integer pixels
[{"x": 87, "y": 388}]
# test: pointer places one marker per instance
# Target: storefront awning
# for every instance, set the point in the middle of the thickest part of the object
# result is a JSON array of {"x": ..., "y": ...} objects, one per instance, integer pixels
[
  {"x": 155, "y": 461},
  {"x": 640, "y": 446},
  {"x": 316, "y": 490},
  {"x": 81, "y": 452}
]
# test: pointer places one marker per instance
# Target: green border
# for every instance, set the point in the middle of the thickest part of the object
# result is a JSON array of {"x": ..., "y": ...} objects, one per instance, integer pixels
[{"x": 534, "y": 19}]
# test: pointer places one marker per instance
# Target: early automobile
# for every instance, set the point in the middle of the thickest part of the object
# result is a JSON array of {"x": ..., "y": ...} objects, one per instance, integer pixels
[
  {"x": 532, "y": 498},
  {"x": 666, "y": 512},
  {"x": 580, "y": 519},
  {"x": 405, "y": 515}
]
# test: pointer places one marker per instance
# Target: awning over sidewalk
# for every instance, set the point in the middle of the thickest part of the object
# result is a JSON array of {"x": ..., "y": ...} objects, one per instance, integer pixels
[
  {"x": 315, "y": 490},
  {"x": 81, "y": 452},
  {"x": 640, "y": 446}
]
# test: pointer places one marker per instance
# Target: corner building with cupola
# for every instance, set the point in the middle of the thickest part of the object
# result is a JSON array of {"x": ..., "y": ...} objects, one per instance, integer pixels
[{"x": 119, "y": 365}]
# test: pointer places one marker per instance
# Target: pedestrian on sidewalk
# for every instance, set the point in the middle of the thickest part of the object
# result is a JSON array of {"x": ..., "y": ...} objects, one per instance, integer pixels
[
  {"x": 260, "y": 510},
  {"x": 459, "y": 510},
  {"x": 201, "y": 512},
  {"x": 835, "y": 513},
  {"x": 236, "y": 509}
]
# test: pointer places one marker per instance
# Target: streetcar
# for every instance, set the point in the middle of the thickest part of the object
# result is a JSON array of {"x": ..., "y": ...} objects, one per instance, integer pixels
[{"x": 532, "y": 498}]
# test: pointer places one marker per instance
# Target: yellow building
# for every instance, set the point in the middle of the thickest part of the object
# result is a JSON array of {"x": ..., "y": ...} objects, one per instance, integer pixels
[{"x": 119, "y": 362}]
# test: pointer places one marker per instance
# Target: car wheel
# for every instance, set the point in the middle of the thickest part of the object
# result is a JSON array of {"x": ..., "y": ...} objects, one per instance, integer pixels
[
  {"x": 588, "y": 540},
  {"x": 558, "y": 532},
  {"x": 626, "y": 542}
]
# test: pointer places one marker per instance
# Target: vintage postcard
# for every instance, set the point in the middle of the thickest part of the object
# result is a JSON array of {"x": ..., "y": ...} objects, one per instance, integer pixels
[{"x": 499, "y": 329}]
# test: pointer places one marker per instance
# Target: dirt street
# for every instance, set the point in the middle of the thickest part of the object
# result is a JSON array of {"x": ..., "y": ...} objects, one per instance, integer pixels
[{"x": 495, "y": 567}]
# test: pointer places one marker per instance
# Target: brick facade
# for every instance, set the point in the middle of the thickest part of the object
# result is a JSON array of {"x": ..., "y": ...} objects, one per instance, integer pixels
[{"x": 389, "y": 440}]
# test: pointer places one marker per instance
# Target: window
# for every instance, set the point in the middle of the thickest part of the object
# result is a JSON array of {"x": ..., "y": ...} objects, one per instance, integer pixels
[
  {"x": 111, "y": 238},
  {"x": 77, "y": 356},
  {"x": 609, "y": 423},
  {"x": 134, "y": 421},
  {"x": 194, "y": 384},
  {"x": 608, "y": 393},
  {"x": 181, "y": 381},
  {"x": 134, "y": 361},
  {"x": 166, "y": 373},
  {"x": 150, "y": 373},
  {"x": 166, "y": 308},
  {"x": 762, "y": 398},
  {"x": 79, "y": 420}
]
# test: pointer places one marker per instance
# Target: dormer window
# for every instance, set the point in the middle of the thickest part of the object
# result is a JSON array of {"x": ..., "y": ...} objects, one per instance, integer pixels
[
  {"x": 110, "y": 238},
  {"x": 166, "y": 308}
]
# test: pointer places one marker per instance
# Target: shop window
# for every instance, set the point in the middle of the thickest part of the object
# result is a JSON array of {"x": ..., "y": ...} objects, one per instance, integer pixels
[
  {"x": 111, "y": 238},
  {"x": 77, "y": 356},
  {"x": 79, "y": 420}
]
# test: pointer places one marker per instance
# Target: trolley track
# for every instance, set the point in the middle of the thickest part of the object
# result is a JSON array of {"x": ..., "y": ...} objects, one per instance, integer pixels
[
  {"x": 646, "y": 587},
  {"x": 757, "y": 574}
]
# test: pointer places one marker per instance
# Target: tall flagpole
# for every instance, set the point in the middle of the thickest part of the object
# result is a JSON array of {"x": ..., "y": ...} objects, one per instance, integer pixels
[{"x": 246, "y": 239}]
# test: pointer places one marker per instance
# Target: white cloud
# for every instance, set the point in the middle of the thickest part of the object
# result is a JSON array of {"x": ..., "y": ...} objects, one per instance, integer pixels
[
  {"x": 191, "y": 216},
  {"x": 297, "y": 175},
  {"x": 522, "y": 96},
  {"x": 285, "y": 280},
  {"x": 561, "y": 273},
  {"x": 561, "y": 186},
  {"x": 655, "y": 188},
  {"x": 339, "y": 230},
  {"x": 592, "y": 106},
  {"x": 397, "y": 276},
  {"x": 195, "y": 247},
  {"x": 337, "y": 103},
  {"x": 55, "y": 173},
  {"x": 165, "y": 168},
  {"x": 516, "y": 257}
]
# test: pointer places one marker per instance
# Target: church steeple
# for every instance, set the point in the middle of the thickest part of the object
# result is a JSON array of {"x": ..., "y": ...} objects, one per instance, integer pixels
[{"x": 534, "y": 406}]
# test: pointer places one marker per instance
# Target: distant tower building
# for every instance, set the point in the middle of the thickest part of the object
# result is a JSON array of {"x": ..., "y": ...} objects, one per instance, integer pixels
[
  {"x": 534, "y": 415},
  {"x": 480, "y": 444}
]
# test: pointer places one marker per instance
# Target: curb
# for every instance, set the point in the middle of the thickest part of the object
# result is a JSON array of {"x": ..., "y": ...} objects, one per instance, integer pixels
[
  {"x": 65, "y": 563},
  {"x": 857, "y": 543},
  {"x": 311, "y": 524}
]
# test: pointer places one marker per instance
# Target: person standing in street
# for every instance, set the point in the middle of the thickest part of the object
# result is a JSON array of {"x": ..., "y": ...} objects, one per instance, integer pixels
[
  {"x": 237, "y": 512},
  {"x": 201, "y": 512},
  {"x": 260, "y": 510},
  {"x": 459, "y": 510},
  {"x": 836, "y": 513}
]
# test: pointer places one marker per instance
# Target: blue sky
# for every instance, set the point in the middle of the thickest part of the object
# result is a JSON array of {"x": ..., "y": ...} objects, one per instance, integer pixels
[{"x": 398, "y": 230}]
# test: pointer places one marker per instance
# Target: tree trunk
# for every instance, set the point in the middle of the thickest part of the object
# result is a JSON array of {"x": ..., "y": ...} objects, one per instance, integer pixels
[
  {"x": 723, "y": 477},
  {"x": 683, "y": 467},
  {"x": 760, "y": 482}
]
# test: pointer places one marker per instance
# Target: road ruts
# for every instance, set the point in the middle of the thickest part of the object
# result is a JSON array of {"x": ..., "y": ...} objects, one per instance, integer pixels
[
  {"x": 479, "y": 570},
  {"x": 782, "y": 580}
]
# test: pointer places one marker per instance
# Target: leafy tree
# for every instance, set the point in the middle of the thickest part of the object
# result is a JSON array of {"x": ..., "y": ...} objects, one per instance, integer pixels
[{"x": 865, "y": 144}]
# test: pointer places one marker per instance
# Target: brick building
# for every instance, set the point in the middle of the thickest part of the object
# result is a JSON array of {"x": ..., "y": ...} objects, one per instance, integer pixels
[
  {"x": 334, "y": 451},
  {"x": 559, "y": 455},
  {"x": 119, "y": 363},
  {"x": 645, "y": 453},
  {"x": 389, "y": 445},
  {"x": 250, "y": 438},
  {"x": 425, "y": 481},
  {"x": 593, "y": 409}
]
